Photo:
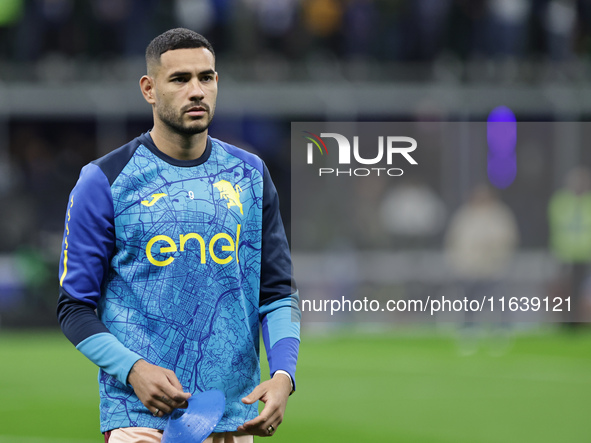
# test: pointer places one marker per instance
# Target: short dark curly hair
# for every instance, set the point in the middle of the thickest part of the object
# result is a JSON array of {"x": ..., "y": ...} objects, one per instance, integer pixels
[{"x": 177, "y": 38}]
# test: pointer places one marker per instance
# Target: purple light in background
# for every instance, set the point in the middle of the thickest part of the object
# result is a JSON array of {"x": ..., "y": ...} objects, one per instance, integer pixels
[
  {"x": 501, "y": 114},
  {"x": 501, "y": 173},
  {"x": 501, "y": 131},
  {"x": 501, "y": 134}
]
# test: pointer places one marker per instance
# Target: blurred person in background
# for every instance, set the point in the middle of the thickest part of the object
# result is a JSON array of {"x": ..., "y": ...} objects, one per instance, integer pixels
[
  {"x": 467, "y": 25},
  {"x": 52, "y": 26},
  {"x": 361, "y": 21},
  {"x": 323, "y": 20},
  {"x": 480, "y": 242},
  {"x": 276, "y": 21},
  {"x": 176, "y": 319},
  {"x": 11, "y": 12},
  {"x": 430, "y": 17},
  {"x": 559, "y": 21},
  {"x": 569, "y": 214},
  {"x": 197, "y": 15},
  {"x": 412, "y": 213},
  {"x": 121, "y": 27},
  {"x": 508, "y": 20}
]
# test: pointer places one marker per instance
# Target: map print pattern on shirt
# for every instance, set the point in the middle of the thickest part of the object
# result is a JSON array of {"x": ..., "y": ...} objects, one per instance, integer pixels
[{"x": 183, "y": 290}]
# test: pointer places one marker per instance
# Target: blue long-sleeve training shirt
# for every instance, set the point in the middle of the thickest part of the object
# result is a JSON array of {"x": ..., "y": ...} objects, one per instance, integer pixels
[{"x": 182, "y": 260}]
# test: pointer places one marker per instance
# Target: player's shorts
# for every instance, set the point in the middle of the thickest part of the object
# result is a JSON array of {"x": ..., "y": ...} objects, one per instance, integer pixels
[{"x": 149, "y": 435}]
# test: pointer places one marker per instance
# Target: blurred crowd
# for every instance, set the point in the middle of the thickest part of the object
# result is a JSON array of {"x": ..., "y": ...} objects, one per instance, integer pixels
[{"x": 383, "y": 30}]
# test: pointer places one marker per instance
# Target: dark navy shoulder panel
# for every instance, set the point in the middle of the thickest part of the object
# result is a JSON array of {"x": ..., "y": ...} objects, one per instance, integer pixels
[
  {"x": 252, "y": 159},
  {"x": 276, "y": 268},
  {"x": 113, "y": 163}
]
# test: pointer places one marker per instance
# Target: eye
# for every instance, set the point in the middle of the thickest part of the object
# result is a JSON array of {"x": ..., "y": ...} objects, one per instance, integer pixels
[
  {"x": 179, "y": 80},
  {"x": 207, "y": 78}
]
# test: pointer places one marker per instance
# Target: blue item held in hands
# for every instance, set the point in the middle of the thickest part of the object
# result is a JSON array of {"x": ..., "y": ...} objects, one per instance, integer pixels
[{"x": 197, "y": 422}]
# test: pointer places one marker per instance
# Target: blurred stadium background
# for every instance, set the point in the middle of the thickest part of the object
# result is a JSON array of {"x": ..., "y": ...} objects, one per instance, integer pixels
[{"x": 69, "y": 93}]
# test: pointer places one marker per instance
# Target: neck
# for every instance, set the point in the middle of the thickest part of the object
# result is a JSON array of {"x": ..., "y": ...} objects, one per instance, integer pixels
[{"x": 179, "y": 146}]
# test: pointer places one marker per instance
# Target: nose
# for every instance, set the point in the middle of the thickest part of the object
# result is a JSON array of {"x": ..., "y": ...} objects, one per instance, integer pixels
[{"x": 196, "y": 91}]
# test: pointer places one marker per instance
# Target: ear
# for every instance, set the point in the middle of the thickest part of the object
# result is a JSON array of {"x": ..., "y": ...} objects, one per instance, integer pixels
[{"x": 147, "y": 87}]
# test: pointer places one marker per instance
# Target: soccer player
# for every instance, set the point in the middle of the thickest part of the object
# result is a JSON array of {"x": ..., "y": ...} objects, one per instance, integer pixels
[{"x": 176, "y": 240}]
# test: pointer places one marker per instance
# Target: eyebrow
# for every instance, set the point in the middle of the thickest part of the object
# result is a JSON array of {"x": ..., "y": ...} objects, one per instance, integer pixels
[{"x": 183, "y": 73}]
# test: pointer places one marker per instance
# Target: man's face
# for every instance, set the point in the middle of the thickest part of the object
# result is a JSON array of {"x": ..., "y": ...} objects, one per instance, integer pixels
[{"x": 185, "y": 90}]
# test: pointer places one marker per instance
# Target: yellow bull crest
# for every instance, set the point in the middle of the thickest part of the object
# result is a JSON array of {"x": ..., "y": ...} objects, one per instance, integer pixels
[{"x": 229, "y": 193}]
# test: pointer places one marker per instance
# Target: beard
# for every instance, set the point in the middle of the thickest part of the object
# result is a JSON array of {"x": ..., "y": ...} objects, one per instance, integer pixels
[{"x": 176, "y": 122}]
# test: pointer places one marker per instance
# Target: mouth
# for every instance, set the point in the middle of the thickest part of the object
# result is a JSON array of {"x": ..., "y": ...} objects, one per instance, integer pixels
[{"x": 196, "y": 111}]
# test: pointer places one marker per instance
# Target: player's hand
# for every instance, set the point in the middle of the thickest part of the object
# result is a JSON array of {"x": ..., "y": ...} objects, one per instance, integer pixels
[
  {"x": 274, "y": 393},
  {"x": 158, "y": 388}
]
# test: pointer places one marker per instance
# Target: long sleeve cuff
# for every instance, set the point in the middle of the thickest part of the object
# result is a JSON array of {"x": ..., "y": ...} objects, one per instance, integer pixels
[
  {"x": 109, "y": 354},
  {"x": 284, "y": 356}
]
